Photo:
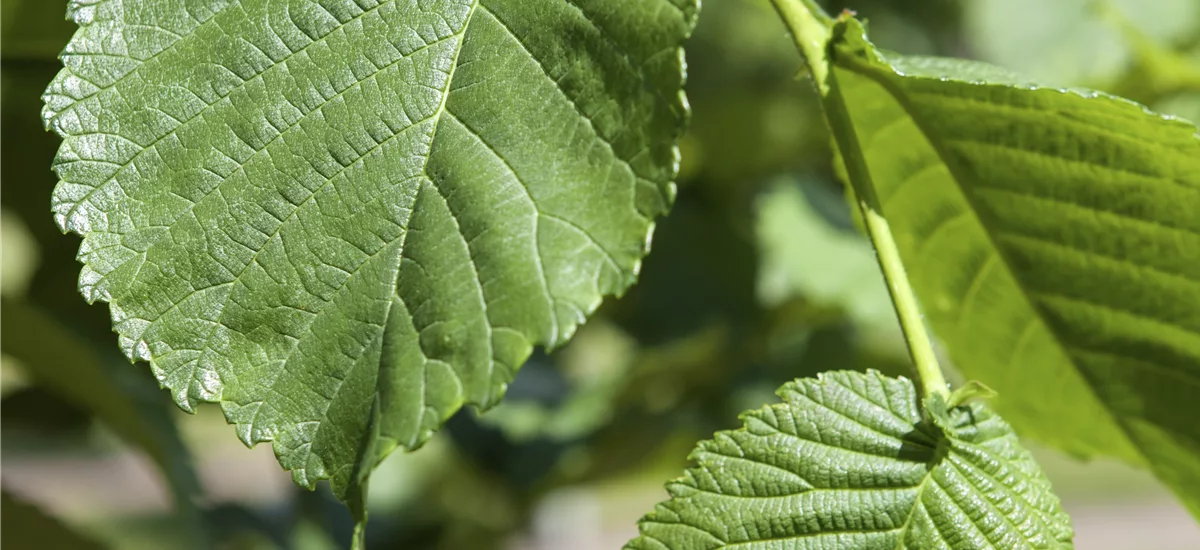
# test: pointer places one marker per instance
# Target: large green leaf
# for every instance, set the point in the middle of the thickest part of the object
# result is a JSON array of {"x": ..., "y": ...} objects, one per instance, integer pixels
[
  {"x": 343, "y": 220},
  {"x": 849, "y": 461},
  {"x": 1052, "y": 236}
]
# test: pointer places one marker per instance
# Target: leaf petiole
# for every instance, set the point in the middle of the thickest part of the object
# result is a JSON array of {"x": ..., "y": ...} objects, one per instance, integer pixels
[{"x": 811, "y": 30}]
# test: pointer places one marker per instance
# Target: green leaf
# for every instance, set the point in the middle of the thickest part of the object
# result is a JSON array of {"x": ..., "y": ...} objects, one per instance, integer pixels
[
  {"x": 1052, "y": 237},
  {"x": 27, "y": 527},
  {"x": 595, "y": 368},
  {"x": 803, "y": 255},
  {"x": 849, "y": 461},
  {"x": 344, "y": 220},
  {"x": 61, "y": 362},
  {"x": 1068, "y": 41},
  {"x": 973, "y": 389}
]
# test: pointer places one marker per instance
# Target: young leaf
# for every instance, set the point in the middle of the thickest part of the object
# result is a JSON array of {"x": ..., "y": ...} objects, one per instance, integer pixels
[
  {"x": 1052, "y": 236},
  {"x": 848, "y": 461},
  {"x": 343, "y": 220}
]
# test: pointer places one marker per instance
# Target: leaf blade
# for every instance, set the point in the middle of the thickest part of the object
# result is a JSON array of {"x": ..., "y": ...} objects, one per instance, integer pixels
[
  {"x": 848, "y": 459},
  {"x": 345, "y": 221},
  {"x": 1046, "y": 232}
]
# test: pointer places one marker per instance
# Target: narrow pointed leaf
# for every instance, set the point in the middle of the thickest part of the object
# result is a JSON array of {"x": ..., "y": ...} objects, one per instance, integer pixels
[
  {"x": 1053, "y": 237},
  {"x": 345, "y": 219},
  {"x": 849, "y": 461}
]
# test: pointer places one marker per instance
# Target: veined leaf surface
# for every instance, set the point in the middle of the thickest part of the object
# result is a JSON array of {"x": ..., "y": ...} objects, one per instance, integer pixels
[
  {"x": 849, "y": 461},
  {"x": 1053, "y": 238},
  {"x": 345, "y": 219}
]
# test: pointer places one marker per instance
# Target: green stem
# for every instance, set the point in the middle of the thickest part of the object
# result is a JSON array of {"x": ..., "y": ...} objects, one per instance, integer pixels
[
  {"x": 359, "y": 541},
  {"x": 811, "y": 31},
  {"x": 810, "y": 28},
  {"x": 905, "y": 300}
]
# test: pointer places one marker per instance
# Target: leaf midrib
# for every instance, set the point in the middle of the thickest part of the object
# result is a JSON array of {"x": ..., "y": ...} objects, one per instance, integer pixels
[{"x": 438, "y": 114}]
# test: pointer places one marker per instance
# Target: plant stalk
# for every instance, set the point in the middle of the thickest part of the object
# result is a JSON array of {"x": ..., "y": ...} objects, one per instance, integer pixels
[
  {"x": 810, "y": 27},
  {"x": 811, "y": 30},
  {"x": 359, "y": 540},
  {"x": 905, "y": 301}
]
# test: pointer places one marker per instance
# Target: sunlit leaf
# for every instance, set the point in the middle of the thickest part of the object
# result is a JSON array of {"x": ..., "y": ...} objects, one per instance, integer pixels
[
  {"x": 1052, "y": 237},
  {"x": 344, "y": 220},
  {"x": 849, "y": 461},
  {"x": 803, "y": 255}
]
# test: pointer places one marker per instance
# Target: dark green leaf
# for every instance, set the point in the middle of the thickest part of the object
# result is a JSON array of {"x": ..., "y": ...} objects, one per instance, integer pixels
[
  {"x": 344, "y": 220},
  {"x": 849, "y": 461}
]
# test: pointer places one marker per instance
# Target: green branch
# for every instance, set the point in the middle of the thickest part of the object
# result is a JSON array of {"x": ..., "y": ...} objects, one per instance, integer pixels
[
  {"x": 811, "y": 30},
  {"x": 810, "y": 27}
]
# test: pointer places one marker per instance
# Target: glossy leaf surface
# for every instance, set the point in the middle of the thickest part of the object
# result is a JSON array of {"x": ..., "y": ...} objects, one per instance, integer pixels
[
  {"x": 849, "y": 461},
  {"x": 344, "y": 220}
]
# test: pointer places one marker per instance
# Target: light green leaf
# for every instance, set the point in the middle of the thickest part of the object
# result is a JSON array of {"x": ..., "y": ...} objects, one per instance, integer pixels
[
  {"x": 1068, "y": 41},
  {"x": 1052, "y": 237},
  {"x": 849, "y": 461},
  {"x": 27, "y": 527},
  {"x": 126, "y": 402},
  {"x": 595, "y": 367},
  {"x": 19, "y": 255},
  {"x": 803, "y": 255},
  {"x": 343, "y": 220},
  {"x": 973, "y": 389}
]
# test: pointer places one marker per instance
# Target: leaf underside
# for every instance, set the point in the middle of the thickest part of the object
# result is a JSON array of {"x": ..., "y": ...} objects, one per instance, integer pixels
[
  {"x": 1053, "y": 238},
  {"x": 343, "y": 220},
  {"x": 848, "y": 461}
]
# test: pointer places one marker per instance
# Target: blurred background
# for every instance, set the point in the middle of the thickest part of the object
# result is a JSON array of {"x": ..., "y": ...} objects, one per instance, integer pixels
[{"x": 758, "y": 276}]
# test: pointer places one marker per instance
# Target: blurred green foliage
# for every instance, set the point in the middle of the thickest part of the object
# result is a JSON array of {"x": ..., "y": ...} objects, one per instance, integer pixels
[{"x": 758, "y": 276}]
